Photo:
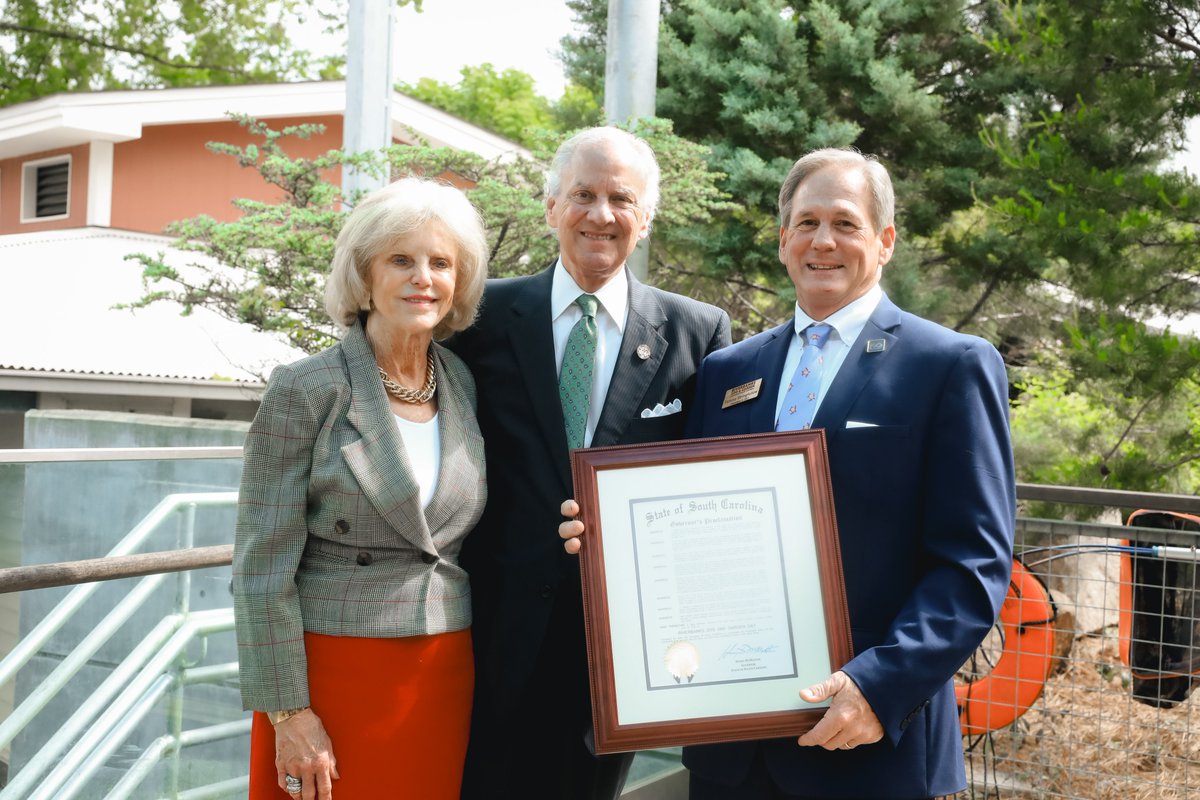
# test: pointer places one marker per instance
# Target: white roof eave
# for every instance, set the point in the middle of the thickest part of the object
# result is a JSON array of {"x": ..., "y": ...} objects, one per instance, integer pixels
[
  {"x": 68, "y": 120},
  {"x": 66, "y": 382},
  {"x": 446, "y": 130}
]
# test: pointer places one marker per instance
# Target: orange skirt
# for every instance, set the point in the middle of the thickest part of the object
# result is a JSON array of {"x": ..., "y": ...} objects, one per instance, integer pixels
[{"x": 396, "y": 710}]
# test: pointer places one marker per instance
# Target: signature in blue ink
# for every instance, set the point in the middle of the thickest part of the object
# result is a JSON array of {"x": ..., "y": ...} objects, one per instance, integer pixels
[{"x": 748, "y": 649}]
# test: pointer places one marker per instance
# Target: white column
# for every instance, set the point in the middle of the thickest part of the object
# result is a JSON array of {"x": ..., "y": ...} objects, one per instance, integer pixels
[
  {"x": 630, "y": 76},
  {"x": 368, "y": 119},
  {"x": 100, "y": 184}
]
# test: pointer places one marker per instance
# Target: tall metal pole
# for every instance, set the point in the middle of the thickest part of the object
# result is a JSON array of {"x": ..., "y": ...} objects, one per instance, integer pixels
[
  {"x": 368, "y": 120},
  {"x": 630, "y": 77}
]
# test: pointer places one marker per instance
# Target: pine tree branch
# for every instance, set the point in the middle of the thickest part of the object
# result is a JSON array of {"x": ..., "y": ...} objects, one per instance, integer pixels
[
  {"x": 1155, "y": 291},
  {"x": 72, "y": 36},
  {"x": 731, "y": 280},
  {"x": 1128, "y": 430},
  {"x": 501, "y": 235},
  {"x": 987, "y": 292},
  {"x": 753, "y": 309},
  {"x": 1179, "y": 462},
  {"x": 1171, "y": 36}
]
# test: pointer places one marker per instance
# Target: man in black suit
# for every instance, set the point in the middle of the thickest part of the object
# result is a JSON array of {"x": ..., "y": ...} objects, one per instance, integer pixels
[{"x": 530, "y": 736}]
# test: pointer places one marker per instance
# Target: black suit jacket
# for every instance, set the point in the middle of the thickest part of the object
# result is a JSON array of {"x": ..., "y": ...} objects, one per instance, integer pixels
[{"x": 515, "y": 559}]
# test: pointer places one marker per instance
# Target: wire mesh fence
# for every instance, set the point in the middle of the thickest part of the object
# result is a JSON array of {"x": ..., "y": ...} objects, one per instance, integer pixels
[{"x": 1084, "y": 688}]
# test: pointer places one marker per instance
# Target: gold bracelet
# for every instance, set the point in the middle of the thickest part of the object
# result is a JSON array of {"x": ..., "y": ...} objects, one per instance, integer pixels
[{"x": 277, "y": 717}]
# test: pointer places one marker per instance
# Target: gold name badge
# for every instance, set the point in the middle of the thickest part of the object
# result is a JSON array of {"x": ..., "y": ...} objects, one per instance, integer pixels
[{"x": 740, "y": 394}]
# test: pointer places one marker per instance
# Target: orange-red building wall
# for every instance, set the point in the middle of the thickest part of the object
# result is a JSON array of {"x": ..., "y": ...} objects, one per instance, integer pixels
[
  {"x": 11, "y": 189},
  {"x": 169, "y": 174}
]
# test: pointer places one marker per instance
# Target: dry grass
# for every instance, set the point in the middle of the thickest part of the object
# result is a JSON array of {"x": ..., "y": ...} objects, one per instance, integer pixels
[{"x": 1088, "y": 738}]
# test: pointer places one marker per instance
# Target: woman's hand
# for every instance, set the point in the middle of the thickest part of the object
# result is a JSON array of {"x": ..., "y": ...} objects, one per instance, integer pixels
[
  {"x": 303, "y": 749},
  {"x": 572, "y": 530}
]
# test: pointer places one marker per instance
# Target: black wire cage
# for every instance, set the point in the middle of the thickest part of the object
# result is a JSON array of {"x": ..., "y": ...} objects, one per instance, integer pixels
[{"x": 1160, "y": 626}]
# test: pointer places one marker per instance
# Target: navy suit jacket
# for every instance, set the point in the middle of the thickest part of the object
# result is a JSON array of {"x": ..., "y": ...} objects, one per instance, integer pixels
[{"x": 925, "y": 502}]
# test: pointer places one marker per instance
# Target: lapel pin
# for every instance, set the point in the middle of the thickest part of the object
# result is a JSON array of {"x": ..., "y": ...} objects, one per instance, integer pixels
[
  {"x": 876, "y": 345},
  {"x": 643, "y": 351},
  {"x": 740, "y": 394}
]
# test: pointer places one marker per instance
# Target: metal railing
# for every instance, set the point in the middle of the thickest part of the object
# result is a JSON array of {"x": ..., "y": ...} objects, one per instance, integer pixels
[{"x": 154, "y": 669}]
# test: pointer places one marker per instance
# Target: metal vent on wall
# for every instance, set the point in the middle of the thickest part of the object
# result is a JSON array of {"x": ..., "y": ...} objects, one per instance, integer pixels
[{"x": 52, "y": 182}]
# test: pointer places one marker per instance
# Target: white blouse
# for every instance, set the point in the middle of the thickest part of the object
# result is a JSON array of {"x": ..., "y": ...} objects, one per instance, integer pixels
[{"x": 423, "y": 445}]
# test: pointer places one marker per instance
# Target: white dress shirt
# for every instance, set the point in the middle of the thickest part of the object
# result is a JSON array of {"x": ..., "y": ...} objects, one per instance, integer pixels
[
  {"x": 610, "y": 326},
  {"x": 847, "y": 323}
]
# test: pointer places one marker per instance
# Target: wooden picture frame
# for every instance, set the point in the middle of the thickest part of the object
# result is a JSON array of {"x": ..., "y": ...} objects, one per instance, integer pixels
[{"x": 712, "y": 587}]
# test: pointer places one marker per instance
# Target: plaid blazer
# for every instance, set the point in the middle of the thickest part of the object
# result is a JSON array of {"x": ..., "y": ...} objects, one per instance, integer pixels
[{"x": 331, "y": 537}]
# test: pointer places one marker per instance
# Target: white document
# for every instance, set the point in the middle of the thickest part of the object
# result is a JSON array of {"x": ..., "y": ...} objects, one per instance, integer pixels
[{"x": 714, "y": 597}]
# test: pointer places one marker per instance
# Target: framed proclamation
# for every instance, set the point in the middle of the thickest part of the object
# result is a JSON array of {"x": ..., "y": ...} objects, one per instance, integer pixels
[{"x": 712, "y": 587}]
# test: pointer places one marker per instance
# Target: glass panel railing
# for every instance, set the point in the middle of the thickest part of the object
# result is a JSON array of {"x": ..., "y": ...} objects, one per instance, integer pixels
[{"x": 126, "y": 686}]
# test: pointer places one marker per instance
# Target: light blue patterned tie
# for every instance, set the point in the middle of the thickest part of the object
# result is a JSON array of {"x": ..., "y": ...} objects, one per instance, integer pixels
[
  {"x": 575, "y": 379},
  {"x": 800, "y": 402}
]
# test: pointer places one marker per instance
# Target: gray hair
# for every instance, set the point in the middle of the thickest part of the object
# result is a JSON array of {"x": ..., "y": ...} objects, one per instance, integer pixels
[
  {"x": 607, "y": 134},
  {"x": 883, "y": 198},
  {"x": 389, "y": 213}
]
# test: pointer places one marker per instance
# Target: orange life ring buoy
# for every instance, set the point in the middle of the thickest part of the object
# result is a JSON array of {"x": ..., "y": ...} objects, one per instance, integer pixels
[{"x": 1016, "y": 681}]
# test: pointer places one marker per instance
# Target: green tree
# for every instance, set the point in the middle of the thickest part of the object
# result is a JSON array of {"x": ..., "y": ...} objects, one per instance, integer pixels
[
  {"x": 1027, "y": 142},
  {"x": 1097, "y": 95},
  {"x": 506, "y": 102},
  {"x": 763, "y": 81},
  {"x": 267, "y": 268},
  {"x": 51, "y": 46}
]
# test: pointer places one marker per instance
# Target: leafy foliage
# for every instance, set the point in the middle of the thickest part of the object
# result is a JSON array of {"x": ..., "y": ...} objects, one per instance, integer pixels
[
  {"x": 1101, "y": 92},
  {"x": 763, "y": 81},
  {"x": 51, "y": 46},
  {"x": 1027, "y": 141},
  {"x": 507, "y": 103},
  {"x": 267, "y": 268}
]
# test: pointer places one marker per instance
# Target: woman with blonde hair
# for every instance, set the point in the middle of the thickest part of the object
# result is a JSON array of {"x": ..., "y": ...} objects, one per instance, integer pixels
[{"x": 364, "y": 471}]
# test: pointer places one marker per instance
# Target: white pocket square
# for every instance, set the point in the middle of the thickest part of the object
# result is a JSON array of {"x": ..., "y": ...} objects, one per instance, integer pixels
[
  {"x": 673, "y": 407},
  {"x": 853, "y": 423}
]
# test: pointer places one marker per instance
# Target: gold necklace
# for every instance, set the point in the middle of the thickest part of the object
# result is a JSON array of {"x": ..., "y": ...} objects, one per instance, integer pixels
[{"x": 414, "y": 396}]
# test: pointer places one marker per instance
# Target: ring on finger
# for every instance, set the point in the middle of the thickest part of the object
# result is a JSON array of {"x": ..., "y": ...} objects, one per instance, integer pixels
[{"x": 293, "y": 784}]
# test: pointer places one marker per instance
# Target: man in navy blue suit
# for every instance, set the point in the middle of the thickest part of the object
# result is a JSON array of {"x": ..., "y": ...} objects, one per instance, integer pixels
[{"x": 916, "y": 422}]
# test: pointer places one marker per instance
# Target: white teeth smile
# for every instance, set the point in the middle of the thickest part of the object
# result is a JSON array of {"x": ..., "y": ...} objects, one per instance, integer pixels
[
  {"x": 824, "y": 266},
  {"x": 599, "y": 237}
]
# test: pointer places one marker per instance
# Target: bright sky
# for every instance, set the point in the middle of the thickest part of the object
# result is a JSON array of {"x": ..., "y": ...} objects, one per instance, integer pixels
[{"x": 451, "y": 34}]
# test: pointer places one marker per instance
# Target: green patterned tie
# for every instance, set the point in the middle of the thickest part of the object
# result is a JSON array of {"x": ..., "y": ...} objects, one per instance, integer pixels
[{"x": 575, "y": 380}]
